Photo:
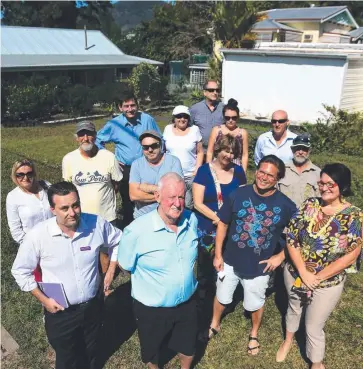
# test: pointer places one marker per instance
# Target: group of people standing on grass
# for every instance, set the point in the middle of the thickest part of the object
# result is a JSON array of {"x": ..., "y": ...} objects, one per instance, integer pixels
[{"x": 185, "y": 200}]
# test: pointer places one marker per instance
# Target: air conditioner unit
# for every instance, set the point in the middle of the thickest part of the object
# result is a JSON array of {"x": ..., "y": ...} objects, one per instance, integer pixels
[{"x": 308, "y": 38}]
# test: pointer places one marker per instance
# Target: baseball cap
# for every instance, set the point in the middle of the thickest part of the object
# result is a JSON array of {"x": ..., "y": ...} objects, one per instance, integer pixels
[
  {"x": 85, "y": 125},
  {"x": 150, "y": 133},
  {"x": 301, "y": 140},
  {"x": 181, "y": 109}
]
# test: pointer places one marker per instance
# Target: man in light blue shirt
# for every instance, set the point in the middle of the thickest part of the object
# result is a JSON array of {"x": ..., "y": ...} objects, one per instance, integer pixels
[
  {"x": 147, "y": 170},
  {"x": 160, "y": 251},
  {"x": 278, "y": 141},
  {"x": 124, "y": 131}
]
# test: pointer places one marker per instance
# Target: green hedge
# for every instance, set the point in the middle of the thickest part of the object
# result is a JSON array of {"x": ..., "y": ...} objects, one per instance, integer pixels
[{"x": 37, "y": 99}]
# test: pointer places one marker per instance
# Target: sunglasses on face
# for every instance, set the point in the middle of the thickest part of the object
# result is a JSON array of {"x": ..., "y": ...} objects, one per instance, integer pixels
[
  {"x": 218, "y": 90},
  {"x": 280, "y": 121},
  {"x": 153, "y": 146},
  {"x": 22, "y": 175},
  {"x": 330, "y": 185},
  {"x": 179, "y": 116},
  {"x": 227, "y": 117}
]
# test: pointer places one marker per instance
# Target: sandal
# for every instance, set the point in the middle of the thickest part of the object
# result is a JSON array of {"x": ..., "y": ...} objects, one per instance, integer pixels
[
  {"x": 250, "y": 349},
  {"x": 213, "y": 334}
]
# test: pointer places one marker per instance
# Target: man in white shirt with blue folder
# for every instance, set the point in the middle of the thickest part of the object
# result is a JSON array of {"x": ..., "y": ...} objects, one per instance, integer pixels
[{"x": 67, "y": 248}]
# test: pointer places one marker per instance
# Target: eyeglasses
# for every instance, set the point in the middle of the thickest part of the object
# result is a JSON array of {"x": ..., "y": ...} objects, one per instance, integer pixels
[
  {"x": 234, "y": 117},
  {"x": 280, "y": 121},
  {"x": 330, "y": 185},
  {"x": 21, "y": 175},
  {"x": 261, "y": 173},
  {"x": 218, "y": 90},
  {"x": 180, "y": 116},
  {"x": 153, "y": 146},
  {"x": 128, "y": 106}
]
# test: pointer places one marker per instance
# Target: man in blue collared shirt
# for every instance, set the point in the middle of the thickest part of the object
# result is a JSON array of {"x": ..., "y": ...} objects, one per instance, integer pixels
[
  {"x": 207, "y": 113},
  {"x": 124, "y": 132},
  {"x": 160, "y": 250},
  {"x": 278, "y": 141}
]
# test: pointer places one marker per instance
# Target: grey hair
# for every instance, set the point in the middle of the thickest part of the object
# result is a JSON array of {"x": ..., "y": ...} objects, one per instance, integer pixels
[{"x": 171, "y": 175}]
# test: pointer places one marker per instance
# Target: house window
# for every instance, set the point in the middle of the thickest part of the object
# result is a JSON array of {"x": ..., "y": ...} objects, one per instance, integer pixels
[
  {"x": 308, "y": 38},
  {"x": 198, "y": 77}
]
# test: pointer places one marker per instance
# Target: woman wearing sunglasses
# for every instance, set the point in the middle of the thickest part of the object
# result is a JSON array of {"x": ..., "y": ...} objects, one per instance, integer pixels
[
  {"x": 230, "y": 127},
  {"x": 324, "y": 240},
  {"x": 27, "y": 204},
  {"x": 185, "y": 142}
]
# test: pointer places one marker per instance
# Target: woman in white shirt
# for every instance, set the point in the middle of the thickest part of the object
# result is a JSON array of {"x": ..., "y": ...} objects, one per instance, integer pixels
[
  {"x": 185, "y": 142},
  {"x": 27, "y": 204}
]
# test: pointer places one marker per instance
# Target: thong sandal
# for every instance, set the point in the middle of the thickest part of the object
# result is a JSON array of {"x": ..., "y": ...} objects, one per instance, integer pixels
[
  {"x": 213, "y": 334},
  {"x": 250, "y": 349}
]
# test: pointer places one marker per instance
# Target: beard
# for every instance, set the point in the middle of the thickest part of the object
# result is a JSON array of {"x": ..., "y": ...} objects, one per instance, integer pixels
[
  {"x": 87, "y": 147},
  {"x": 300, "y": 160}
]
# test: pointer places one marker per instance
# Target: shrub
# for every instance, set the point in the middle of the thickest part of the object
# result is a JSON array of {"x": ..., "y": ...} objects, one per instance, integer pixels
[
  {"x": 146, "y": 83},
  {"x": 196, "y": 95},
  {"x": 338, "y": 131}
]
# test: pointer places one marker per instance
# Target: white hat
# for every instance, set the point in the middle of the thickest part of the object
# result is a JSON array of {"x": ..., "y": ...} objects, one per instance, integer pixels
[{"x": 181, "y": 109}]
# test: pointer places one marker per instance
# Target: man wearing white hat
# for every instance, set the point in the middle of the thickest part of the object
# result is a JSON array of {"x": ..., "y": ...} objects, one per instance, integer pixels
[{"x": 185, "y": 142}]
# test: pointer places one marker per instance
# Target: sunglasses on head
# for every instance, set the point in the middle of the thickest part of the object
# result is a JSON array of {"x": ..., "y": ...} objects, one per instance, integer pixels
[
  {"x": 179, "y": 116},
  {"x": 22, "y": 175},
  {"x": 279, "y": 121},
  {"x": 228, "y": 117},
  {"x": 153, "y": 146},
  {"x": 218, "y": 90}
]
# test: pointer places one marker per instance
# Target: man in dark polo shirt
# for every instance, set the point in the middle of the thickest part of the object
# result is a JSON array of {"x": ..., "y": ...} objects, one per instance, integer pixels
[
  {"x": 255, "y": 217},
  {"x": 208, "y": 113}
]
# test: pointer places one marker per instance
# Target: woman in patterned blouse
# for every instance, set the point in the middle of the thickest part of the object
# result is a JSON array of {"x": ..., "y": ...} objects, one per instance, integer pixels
[{"x": 324, "y": 241}]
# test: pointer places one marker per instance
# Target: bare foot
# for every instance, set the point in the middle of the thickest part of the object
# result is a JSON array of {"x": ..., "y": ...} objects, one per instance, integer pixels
[{"x": 283, "y": 351}]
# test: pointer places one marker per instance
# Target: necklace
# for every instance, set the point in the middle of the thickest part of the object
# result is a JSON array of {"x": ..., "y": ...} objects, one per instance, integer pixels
[{"x": 313, "y": 221}]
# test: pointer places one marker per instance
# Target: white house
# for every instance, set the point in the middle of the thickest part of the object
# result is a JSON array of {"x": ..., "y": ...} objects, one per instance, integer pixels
[{"x": 296, "y": 77}]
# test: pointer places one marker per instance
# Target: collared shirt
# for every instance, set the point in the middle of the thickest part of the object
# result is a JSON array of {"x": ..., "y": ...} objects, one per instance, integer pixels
[
  {"x": 93, "y": 178},
  {"x": 205, "y": 119},
  {"x": 143, "y": 172},
  {"x": 300, "y": 186},
  {"x": 25, "y": 210},
  {"x": 70, "y": 261},
  {"x": 161, "y": 261},
  {"x": 125, "y": 136},
  {"x": 266, "y": 145}
]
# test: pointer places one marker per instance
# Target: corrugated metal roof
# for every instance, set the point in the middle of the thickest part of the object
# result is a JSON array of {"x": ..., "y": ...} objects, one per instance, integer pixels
[
  {"x": 54, "y": 41},
  {"x": 33, "y": 47},
  {"x": 313, "y": 13},
  {"x": 269, "y": 24},
  {"x": 356, "y": 33}
]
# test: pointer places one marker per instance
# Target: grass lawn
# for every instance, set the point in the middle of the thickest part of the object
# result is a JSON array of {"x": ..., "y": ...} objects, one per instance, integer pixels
[{"x": 21, "y": 313}]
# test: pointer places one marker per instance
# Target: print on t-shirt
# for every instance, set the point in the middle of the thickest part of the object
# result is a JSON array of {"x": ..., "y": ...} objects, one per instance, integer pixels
[
  {"x": 86, "y": 178},
  {"x": 256, "y": 226}
]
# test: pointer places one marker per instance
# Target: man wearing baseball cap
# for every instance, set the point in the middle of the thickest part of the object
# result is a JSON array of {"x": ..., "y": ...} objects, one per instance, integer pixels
[
  {"x": 300, "y": 181},
  {"x": 96, "y": 174},
  {"x": 147, "y": 170}
]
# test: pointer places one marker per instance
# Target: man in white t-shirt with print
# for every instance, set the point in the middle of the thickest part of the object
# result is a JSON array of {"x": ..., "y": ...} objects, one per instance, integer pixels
[{"x": 96, "y": 175}]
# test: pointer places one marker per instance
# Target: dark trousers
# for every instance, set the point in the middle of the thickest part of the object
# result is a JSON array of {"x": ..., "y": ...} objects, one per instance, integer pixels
[
  {"x": 73, "y": 334},
  {"x": 127, "y": 204}
]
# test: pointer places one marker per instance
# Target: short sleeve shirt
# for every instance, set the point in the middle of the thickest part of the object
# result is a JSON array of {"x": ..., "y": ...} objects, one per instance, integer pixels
[
  {"x": 142, "y": 172},
  {"x": 256, "y": 224},
  {"x": 93, "y": 179},
  {"x": 183, "y": 147}
]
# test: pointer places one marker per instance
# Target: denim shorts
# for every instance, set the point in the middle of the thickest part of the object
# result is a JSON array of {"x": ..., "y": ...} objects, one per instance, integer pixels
[{"x": 254, "y": 290}]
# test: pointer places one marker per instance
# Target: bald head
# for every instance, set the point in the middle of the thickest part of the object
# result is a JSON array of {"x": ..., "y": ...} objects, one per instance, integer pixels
[
  {"x": 169, "y": 178},
  {"x": 280, "y": 123}
]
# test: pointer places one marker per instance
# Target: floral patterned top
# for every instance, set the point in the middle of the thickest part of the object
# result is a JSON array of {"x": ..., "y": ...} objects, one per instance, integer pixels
[{"x": 324, "y": 239}]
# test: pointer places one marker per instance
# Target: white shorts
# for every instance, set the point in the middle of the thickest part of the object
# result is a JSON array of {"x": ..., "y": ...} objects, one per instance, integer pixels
[{"x": 254, "y": 290}]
